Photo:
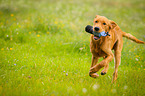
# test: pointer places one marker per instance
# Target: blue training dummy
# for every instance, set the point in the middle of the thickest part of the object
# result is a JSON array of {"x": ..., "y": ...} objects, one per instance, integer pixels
[{"x": 89, "y": 29}]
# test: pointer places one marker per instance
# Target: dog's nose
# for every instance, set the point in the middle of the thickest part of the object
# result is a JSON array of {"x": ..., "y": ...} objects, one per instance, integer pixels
[{"x": 97, "y": 28}]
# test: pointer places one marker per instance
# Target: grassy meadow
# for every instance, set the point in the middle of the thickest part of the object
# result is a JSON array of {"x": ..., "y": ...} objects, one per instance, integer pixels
[{"x": 44, "y": 49}]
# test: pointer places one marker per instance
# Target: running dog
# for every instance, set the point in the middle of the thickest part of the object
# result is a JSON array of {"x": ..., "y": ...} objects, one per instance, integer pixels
[{"x": 106, "y": 36}]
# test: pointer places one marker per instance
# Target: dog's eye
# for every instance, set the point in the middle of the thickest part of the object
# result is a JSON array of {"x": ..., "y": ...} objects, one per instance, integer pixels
[
  {"x": 96, "y": 21},
  {"x": 104, "y": 23}
]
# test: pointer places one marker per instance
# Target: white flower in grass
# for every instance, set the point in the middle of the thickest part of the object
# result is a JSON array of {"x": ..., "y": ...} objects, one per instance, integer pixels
[
  {"x": 84, "y": 90},
  {"x": 66, "y": 74},
  {"x": 81, "y": 48},
  {"x": 125, "y": 87},
  {"x": 42, "y": 83},
  {"x": 95, "y": 86},
  {"x": 113, "y": 90},
  {"x": 136, "y": 59}
]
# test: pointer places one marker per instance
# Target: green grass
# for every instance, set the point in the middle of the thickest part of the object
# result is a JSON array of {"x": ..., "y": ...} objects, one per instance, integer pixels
[{"x": 40, "y": 43}]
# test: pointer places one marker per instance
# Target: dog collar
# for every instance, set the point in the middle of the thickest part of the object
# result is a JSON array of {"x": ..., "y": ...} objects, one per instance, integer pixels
[{"x": 103, "y": 33}]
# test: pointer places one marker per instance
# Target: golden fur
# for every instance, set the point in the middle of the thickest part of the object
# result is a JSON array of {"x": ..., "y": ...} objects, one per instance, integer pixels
[{"x": 103, "y": 46}]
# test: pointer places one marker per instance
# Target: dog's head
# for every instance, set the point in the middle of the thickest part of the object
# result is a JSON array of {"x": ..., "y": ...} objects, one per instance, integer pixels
[{"x": 102, "y": 24}]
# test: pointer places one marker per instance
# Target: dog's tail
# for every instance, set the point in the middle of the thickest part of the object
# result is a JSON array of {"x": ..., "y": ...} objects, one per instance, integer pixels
[{"x": 131, "y": 37}]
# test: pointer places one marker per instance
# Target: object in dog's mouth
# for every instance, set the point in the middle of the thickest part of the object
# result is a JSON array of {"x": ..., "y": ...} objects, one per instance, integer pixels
[
  {"x": 89, "y": 29},
  {"x": 97, "y": 35}
]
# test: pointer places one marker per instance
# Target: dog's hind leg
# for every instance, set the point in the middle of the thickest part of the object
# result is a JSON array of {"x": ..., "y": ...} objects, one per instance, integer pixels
[
  {"x": 117, "y": 53},
  {"x": 117, "y": 62}
]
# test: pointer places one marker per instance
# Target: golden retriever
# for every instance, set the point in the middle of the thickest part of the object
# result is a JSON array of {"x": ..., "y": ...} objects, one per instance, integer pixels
[{"x": 101, "y": 46}]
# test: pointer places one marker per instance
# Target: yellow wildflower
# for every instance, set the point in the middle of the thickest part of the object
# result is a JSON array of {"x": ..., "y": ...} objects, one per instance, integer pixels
[
  {"x": 24, "y": 57},
  {"x": 2, "y": 48},
  {"x": 136, "y": 56},
  {"x": 12, "y": 15},
  {"x": 143, "y": 69},
  {"x": 52, "y": 95},
  {"x": 38, "y": 35},
  {"x": 55, "y": 22},
  {"x": 11, "y": 48},
  {"x": 47, "y": 32},
  {"x": 29, "y": 32}
]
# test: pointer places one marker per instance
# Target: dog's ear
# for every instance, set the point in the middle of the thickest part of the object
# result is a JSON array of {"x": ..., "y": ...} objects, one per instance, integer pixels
[
  {"x": 113, "y": 24},
  {"x": 96, "y": 16}
]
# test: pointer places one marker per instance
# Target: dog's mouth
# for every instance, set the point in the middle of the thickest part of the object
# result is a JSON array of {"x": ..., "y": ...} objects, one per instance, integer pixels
[{"x": 96, "y": 37}]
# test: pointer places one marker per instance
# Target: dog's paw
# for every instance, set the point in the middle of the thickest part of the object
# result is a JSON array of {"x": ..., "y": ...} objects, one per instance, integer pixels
[
  {"x": 94, "y": 75},
  {"x": 103, "y": 73}
]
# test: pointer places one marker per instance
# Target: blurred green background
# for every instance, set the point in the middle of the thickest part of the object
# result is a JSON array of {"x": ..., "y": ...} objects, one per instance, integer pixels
[{"x": 44, "y": 49}]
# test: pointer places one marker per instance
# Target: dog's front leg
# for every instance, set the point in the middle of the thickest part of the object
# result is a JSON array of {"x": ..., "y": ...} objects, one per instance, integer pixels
[
  {"x": 103, "y": 63},
  {"x": 104, "y": 71},
  {"x": 94, "y": 62}
]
